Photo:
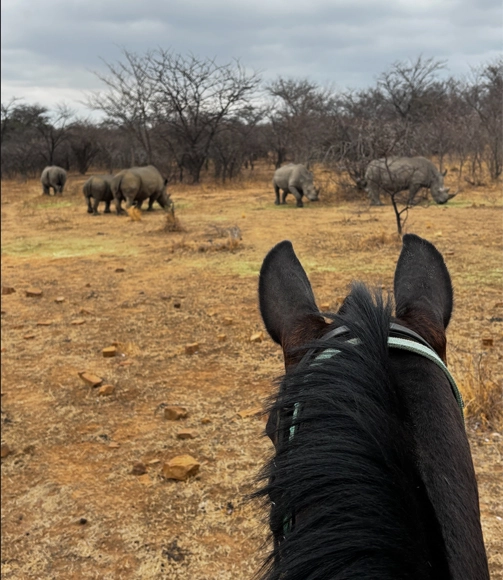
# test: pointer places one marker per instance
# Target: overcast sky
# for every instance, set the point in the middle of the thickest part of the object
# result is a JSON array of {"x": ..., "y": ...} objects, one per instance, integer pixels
[{"x": 51, "y": 47}]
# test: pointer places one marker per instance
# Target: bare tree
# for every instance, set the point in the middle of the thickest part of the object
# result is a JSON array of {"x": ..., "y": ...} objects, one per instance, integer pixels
[
  {"x": 54, "y": 131},
  {"x": 483, "y": 95},
  {"x": 129, "y": 101},
  {"x": 193, "y": 99}
]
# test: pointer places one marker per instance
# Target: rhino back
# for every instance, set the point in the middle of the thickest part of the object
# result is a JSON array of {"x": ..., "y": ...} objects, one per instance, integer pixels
[
  {"x": 99, "y": 186},
  {"x": 300, "y": 176},
  {"x": 282, "y": 176},
  {"x": 151, "y": 180}
]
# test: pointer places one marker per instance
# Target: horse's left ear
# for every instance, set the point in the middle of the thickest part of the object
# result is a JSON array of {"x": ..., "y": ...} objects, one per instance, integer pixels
[
  {"x": 286, "y": 300},
  {"x": 423, "y": 291}
]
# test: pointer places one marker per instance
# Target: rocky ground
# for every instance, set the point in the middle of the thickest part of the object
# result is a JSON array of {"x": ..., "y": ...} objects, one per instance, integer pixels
[{"x": 83, "y": 487}]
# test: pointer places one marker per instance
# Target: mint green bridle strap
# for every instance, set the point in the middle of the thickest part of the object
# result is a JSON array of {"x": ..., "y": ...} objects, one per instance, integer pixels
[{"x": 411, "y": 346}]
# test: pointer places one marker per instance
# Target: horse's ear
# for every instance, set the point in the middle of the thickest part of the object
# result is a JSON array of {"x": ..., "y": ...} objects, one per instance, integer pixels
[
  {"x": 423, "y": 290},
  {"x": 286, "y": 299}
]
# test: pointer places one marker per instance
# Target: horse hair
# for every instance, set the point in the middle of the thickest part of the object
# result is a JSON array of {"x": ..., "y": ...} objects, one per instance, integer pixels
[{"x": 347, "y": 480}]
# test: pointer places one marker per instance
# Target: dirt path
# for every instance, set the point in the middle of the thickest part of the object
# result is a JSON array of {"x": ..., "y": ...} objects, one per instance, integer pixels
[{"x": 72, "y": 509}]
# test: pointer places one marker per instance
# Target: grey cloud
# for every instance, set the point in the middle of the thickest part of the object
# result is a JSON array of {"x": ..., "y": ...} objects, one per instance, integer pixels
[{"x": 50, "y": 48}]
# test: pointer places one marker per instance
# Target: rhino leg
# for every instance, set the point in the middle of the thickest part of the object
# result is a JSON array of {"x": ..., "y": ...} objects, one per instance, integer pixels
[
  {"x": 107, "y": 206},
  {"x": 276, "y": 191},
  {"x": 283, "y": 196},
  {"x": 118, "y": 207},
  {"x": 95, "y": 206},
  {"x": 89, "y": 206},
  {"x": 151, "y": 203},
  {"x": 413, "y": 189},
  {"x": 297, "y": 194},
  {"x": 47, "y": 190}
]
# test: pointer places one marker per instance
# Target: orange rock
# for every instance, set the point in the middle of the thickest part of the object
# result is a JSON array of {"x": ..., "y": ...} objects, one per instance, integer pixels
[
  {"x": 174, "y": 413},
  {"x": 106, "y": 390},
  {"x": 59, "y": 299},
  {"x": 257, "y": 337},
  {"x": 90, "y": 379},
  {"x": 44, "y": 323},
  {"x": 187, "y": 434},
  {"x": 109, "y": 351},
  {"x": 180, "y": 467},
  {"x": 191, "y": 348},
  {"x": 227, "y": 321},
  {"x": 222, "y": 337},
  {"x": 78, "y": 322},
  {"x": 34, "y": 293},
  {"x": 28, "y": 336}
]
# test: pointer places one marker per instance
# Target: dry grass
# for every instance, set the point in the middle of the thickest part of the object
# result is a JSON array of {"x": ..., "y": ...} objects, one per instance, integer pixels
[
  {"x": 134, "y": 214},
  {"x": 150, "y": 294},
  {"x": 172, "y": 223}
]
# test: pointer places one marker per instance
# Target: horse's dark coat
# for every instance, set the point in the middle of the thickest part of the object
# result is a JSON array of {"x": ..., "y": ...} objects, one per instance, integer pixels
[{"x": 378, "y": 477}]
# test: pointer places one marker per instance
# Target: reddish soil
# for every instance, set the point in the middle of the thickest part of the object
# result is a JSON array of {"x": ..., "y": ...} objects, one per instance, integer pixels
[{"x": 71, "y": 507}]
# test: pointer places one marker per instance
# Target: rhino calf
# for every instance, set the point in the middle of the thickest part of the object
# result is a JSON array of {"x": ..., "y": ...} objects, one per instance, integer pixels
[
  {"x": 137, "y": 184},
  {"x": 98, "y": 188},
  {"x": 396, "y": 174},
  {"x": 294, "y": 179},
  {"x": 55, "y": 177}
]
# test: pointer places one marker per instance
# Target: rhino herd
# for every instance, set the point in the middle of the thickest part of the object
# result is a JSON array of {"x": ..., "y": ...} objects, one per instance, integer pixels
[
  {"x": 133, "y": 186},
  {"x": 137, "y": 184}
]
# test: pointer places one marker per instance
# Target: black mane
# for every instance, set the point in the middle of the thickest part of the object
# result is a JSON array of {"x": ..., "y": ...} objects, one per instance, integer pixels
[{"x": 345, "y": 494}]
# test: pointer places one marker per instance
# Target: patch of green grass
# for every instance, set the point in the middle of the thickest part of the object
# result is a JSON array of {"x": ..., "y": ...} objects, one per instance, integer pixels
[
  {"x": 65, "y": 248},
  {"x": 49, "y": 203}
]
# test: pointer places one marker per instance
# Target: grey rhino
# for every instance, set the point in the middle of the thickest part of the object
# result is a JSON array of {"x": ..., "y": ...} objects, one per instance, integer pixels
[
  {"x": 55, "y": 177},
  {"x": 395, "y": 174},
  {"x": 98, "y": 188},
  {"x": 294, "y": 179},
  {"x": 136, "y": 184}
]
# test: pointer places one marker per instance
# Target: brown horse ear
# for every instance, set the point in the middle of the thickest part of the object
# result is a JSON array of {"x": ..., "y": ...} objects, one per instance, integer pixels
[
  {"x": 423, "y": 291},
  {"x": 286, "y": 300}
]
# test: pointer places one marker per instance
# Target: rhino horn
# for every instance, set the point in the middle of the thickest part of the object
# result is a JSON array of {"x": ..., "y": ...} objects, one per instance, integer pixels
[{"x": 451, "y": 195}]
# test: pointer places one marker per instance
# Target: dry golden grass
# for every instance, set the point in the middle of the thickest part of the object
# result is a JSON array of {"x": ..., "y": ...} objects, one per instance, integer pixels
[{"x": 150, "y": 294}]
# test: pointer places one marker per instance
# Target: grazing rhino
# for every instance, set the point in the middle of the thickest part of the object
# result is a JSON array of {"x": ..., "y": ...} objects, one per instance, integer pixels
[
  {"x": 136, "y": 184},
  {"x": 55, "y": 177},
  {"x": 396, "y": 174},
  {"x": 294, "y": 179},
  {"x": 98, "y": 188}
]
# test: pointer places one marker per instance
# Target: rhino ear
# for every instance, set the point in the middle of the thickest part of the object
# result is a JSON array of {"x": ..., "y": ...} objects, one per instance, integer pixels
[
  {"x": 444, "y": 172},
  {"x": 286, "y": 299},
  {"x": 423, "y": 291}
]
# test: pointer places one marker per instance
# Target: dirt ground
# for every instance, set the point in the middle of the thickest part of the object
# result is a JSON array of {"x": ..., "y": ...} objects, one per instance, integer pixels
[{"x": 71, "y": 506}]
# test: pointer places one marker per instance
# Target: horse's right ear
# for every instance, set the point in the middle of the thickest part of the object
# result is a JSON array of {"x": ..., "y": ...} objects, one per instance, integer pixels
[
  {"x": 286, "y": 299},
  {"x": 423, "y": 291}
]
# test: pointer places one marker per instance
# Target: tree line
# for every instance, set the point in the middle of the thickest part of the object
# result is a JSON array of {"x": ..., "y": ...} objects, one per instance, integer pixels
[{"x": 192, "y": 116}]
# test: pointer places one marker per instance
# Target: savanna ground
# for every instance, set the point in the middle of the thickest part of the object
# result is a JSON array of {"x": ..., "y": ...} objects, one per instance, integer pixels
[{"x": 71, "y": 506}]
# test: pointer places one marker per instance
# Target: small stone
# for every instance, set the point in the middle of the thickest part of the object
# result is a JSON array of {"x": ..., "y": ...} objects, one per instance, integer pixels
[
  {"x": 114, "y": 445},
  {"x": 221, "y": 337},
  {"x": 78, "y": 322},
  {"x": 180, "y": 467},
  {"x": 7, "y": 290},
  {"x": 90, "y": 379},
  {"x": 125, "y": 363},
  {"x": 83, "y": 521},
  {"x": 153, "y": 461},
  {"x": 227, "y": 321},
  {"x": 59, "y": 299},
  {"x": 44, "y": 323},
  {"x": 187, "y": 434},
  {"x": 28, "y": 336},
  {"x": 250, "y": 412},
  {"x": 177, "y": 304},
  {"x": 488, "y": 341},
  {"x": 106, "y": 390},
  {"x": 5, "y": 450},
  {"x": 86, "y": 311},
  {"x": 174, "y": 413},
  {"x": 257, "y": 337},
  {"x": 145, "y": 479},
  {"x": 205, "y": 420},
  {"x": 34, "y": 293},
  {"x": 109, "y": 351},
  {"x": 191, "y": 348},
  {"x": 120, "y": 270},
  {"x": 325, "y": 306},
  {"x": 139, "y": 468}
]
